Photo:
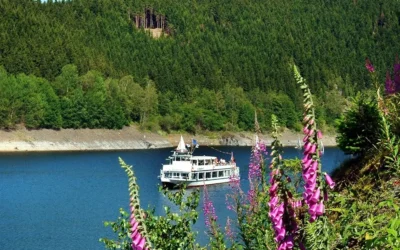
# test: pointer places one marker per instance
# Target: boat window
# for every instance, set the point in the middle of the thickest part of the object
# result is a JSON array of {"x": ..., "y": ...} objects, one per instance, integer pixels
[
  {"x": 175, "y": 174},
  {"x": 208, "y": 175},
  {"x": 214, "y": 174},
  {"x": 220, "y": 173},
  {"x": 194, "y": 176},
  {"x": 201, "y": 162},
  {"x": 201, "y": 176},
  {"x": 194, "y": 162},
  {"x": 184, "y": 175},
  {"x": 227, "y": 173}
]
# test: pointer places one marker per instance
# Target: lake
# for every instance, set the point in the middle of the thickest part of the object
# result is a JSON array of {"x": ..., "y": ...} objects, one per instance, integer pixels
[{"x": 59, "y": 200}]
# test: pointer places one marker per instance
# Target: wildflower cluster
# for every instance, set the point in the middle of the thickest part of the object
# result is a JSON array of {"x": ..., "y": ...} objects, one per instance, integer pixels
[
  {"x": 209, "y": 210},
  {"x": 282, "y": 205},
  {"x": 256, "y": 160},
  {"x": 389, "y": 141},
  {"x": 256, "y": 172},
  {"x": 214, "y": 231},
  {"x": 312, "y": 151},
  {"x": 392, "y": 86}
]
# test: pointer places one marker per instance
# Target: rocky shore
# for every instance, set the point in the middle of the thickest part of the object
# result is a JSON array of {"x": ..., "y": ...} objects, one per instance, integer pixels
[{"x": 128, "y": 138}]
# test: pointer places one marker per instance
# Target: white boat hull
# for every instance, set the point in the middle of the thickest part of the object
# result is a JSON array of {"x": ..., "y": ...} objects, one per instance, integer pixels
[{"x": 193, "y": 183}]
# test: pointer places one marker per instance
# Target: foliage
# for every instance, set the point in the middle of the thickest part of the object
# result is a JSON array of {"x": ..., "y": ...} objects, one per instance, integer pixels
[
  {"x": 267, "y": 214},
  {"x": 172, "y": 231},
  {"x": 122, "y": 227},
  {"x": 220, "y": 48},
  {"x": 358, "y": 128},
  {"x": 369, "y": 204},
  {"x": 363, "y": 214}
]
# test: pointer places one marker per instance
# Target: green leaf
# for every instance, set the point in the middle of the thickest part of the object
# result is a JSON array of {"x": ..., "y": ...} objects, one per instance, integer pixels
[
  {"x": 335, "y": 209},
  {"x": 392, "y": 232}
]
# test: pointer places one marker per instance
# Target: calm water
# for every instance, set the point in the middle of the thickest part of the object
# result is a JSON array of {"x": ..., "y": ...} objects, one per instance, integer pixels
[{"x": 60, "y": 200}]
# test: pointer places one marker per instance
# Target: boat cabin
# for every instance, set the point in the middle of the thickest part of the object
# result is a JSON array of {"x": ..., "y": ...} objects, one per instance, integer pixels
[
  {"x": 196, "y": 168},
  {"x": 183, "y": 167}
]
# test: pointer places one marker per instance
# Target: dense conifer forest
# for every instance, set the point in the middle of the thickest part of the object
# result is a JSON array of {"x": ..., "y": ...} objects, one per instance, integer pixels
[{"x": 93, "y": 63}]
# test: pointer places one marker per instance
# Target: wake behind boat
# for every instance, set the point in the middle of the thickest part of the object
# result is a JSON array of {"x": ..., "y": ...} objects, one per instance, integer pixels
[{"x": 184, "y": 168}]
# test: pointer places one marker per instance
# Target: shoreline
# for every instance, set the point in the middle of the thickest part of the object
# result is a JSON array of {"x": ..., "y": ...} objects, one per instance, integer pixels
[{"x": 129, "y": 138}]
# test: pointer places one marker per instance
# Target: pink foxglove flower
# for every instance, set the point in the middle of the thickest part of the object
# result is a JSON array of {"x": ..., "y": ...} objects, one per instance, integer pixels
[
  {"x": 138, "y": 231},
  {"x": 329, "y": 181},
  {"x": 320, "y": 208},
  {"x": 273, "y": 188},
  {"x": 315, "y": 197}
]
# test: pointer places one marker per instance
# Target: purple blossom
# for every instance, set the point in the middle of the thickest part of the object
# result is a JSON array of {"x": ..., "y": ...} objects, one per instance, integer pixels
[
  {"x": 256, "y": 161},
  {"x": 390, "y": 86},
  {"x": 235, "y": 182},
  {"x": 208, "y": 209},
  {"x": 396, "y": 71},
  {"x": 369, "y": 66},
  {"x": 251, "y": 196},
  {"x": 228, "y": 229}
]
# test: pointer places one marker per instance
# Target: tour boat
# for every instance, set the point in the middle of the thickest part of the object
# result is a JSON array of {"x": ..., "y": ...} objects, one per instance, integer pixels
[{"x": 185, "y": 168}]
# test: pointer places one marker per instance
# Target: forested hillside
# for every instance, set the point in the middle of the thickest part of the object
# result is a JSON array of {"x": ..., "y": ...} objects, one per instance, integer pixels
[{"x": 84, "y": 63}]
